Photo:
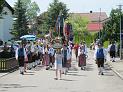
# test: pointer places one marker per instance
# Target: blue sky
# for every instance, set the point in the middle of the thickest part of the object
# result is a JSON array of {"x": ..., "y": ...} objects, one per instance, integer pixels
[{"x": 80, "y": 5}]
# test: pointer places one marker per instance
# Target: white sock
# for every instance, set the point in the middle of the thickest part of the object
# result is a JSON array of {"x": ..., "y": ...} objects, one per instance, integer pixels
[
  {"x": 20, "y": 69},
  {"x": 113, "y": 58},
  {"x": 101, "y": 68}
]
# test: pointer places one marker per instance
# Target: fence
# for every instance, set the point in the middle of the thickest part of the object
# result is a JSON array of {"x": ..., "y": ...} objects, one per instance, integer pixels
[{"x": 7, "y": 65}]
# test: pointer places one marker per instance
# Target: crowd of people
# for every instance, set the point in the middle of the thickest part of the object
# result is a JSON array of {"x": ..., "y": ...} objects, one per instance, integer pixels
[{"x": 31, "y": 54}]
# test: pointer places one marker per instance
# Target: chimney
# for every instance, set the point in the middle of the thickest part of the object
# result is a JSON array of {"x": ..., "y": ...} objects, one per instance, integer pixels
[{"x": 91, "y": 11}]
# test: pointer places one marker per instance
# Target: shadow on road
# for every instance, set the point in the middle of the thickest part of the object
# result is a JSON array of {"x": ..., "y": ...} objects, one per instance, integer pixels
[
  {"x": 75, "y": 75},
  {"x": 28, "y": 74},
  {"x": 67, "y": 80},
  {"x": 89, "y": 67},
  {"x": 7, "y": 86}
]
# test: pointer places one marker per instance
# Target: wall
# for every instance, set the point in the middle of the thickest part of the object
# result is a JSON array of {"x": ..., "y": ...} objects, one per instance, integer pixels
[{"x": 6, "y": 25}]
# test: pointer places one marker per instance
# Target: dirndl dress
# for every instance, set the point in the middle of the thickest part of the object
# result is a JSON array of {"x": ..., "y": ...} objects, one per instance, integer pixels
[{"x": 82, "y": 60}]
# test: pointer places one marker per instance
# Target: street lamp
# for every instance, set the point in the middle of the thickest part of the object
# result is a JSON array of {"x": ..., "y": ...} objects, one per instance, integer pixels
[
  {"x": 120, "y": 8},
  {"x": 99, "y": 24}
]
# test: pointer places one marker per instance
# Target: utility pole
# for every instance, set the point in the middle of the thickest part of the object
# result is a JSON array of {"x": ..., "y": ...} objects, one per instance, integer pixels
[
  {"x": 120, "y": 8},
  {"x": 99, "y": 24}
]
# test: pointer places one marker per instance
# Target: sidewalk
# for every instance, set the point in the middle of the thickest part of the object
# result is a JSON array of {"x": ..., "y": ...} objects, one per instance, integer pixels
[
  {"x": 117, "y": 67},
  {"x": 3, "y": 74}
]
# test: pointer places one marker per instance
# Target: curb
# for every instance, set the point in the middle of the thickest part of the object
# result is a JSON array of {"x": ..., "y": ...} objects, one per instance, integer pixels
[
  {"x": 4, "y": 75},
  {"x": 115, "y": 71}
]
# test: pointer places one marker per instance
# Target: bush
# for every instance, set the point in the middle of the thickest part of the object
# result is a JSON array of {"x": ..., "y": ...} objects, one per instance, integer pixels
[
  {"x": 6, "y": 54},
  {"x": 106, "y": 43}
]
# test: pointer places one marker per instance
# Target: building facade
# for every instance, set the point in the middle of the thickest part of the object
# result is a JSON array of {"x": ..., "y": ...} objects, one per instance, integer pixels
[{"x": 6, "y": 22}]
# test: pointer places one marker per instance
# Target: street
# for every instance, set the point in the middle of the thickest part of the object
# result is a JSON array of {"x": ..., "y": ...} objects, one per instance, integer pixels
[{"x": 76, "y": 80}]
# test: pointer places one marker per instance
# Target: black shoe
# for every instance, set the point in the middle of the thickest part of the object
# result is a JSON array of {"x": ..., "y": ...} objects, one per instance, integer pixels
[
  {"x": 82, "y": 68},
  {"x": 113, "y": 61},
  {"x": 102, "y": 74},
  {"x": 56, "y": 78},
  {"x": 22, "y": 73}
]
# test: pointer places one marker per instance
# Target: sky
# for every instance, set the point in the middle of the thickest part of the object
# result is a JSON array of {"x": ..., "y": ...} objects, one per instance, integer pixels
[{"x": 79, "y": 6}]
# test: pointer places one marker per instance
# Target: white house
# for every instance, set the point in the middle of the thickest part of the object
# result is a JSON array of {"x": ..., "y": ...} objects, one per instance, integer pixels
[{"x": 6, "y": 22}]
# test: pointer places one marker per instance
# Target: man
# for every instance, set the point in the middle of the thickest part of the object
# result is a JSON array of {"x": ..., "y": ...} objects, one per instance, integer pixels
[
  {"x": 112, "y": 51},
  {"x": 100, "y": 56},
  {"x": 51, "y": 56},
  {"x": 20, "y": 57}
]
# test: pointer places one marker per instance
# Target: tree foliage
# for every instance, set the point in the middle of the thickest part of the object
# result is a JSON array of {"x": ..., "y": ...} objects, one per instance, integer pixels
[
  {"x": 111, "y": 28},
  {"x": 79, "y": 25},
  {"x": 47, "y": 20},
  {"x": 42, "y": 23},
  {"x": 54, "y": 10},
  {"x": 1, "y": 5},
  {"x": 25, "y": 16},
  {"x": 20, "y": 23}
]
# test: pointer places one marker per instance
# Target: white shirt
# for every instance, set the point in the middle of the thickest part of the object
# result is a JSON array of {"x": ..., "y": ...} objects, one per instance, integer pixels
[
  {"x": 16, "y": 54},
  {"x": 51, "y": 51}
]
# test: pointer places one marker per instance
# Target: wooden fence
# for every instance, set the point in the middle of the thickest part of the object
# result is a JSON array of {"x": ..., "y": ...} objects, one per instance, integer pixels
[{"x": 8, "y": 65}]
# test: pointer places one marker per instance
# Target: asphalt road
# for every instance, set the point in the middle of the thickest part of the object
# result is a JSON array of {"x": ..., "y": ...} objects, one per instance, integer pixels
[{"x": 76, "y": 80}]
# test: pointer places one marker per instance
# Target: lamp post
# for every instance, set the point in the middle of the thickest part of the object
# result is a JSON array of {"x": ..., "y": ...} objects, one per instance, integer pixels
[
  {"x": 99, "y": 24},
  {"x": 120, "y": 8}
]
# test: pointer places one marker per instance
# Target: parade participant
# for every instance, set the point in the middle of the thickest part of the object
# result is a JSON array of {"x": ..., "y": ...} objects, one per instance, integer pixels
[
  {"x": 20, "y": 57},
  {"x": 100, "y": 56},
  {"x": 58, "y": 62},
  {"x": 64, "y": 61},
  {"x": 51, "y": 56},
  {"x": 76, "y": 46},
  {"x": 82, "y": 56},
  {"x": 38, "y": 54},
  {"x": 42, "y": 54},
  {"x": 33, "y": 54},
  {"x": 46, "y": 58},
  {"x": 29, "y": 55},
  {"x": 69, "y": 55},
  {"x": 112, "y": 51}
]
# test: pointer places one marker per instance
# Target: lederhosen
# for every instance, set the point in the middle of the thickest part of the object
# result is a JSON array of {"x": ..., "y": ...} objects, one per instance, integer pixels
[
  {"x": 21, "y": 58},
  {"x": 64, "y": 61}
]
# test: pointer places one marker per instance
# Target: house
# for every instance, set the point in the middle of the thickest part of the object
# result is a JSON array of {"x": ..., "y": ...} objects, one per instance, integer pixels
[
  {"x": 95, "y": 20},
  {"x": 6, "y": 22}
]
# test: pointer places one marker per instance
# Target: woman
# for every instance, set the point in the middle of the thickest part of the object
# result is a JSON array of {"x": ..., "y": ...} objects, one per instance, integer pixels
[
  {"x": 46, "y": 58},
  {"x": 82, "y": 57},
  {"x": 58, "y": 63},
  {"x": 76, "y": 50}
]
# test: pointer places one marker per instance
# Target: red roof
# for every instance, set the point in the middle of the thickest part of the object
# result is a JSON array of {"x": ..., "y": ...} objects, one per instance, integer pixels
[
  {"x": 94, "y": 16},
  {"x": 94, "y": 27}
]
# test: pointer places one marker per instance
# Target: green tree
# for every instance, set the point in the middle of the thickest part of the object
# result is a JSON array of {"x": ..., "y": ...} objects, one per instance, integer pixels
[
  {"x": 32, "y": 10},
  {"x": 79, "y": 25},
  {"x": 1, "y": 5},
  {"x": 54, "y": 10},
  {"x": 111, "y": 28},
  {"x": 42, "y": 23},
  {"x": 20, "y": 23},
  {"x": 25, "y": 16}
]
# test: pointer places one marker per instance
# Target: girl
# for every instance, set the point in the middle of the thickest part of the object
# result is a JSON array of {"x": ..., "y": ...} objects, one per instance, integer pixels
[{"x": 58, "y": 63}]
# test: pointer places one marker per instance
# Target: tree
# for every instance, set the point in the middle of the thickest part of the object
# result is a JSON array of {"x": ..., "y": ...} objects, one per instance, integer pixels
[
  {"x": 1, "y": 5},
  {"x": 42, "y": 23},
  {"x": 79, "y": 25},
  {"x": 111, "y": 28},
  {"x": 25, "y": 16},
  {"x": 20, "y": 27},
  {"x": 32, "y": 10},
  {"x": 53, "y": 12}
]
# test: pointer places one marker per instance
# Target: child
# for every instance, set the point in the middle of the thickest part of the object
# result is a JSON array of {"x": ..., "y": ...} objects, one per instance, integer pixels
[{"x": 58, "y": 63}]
